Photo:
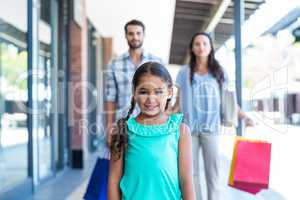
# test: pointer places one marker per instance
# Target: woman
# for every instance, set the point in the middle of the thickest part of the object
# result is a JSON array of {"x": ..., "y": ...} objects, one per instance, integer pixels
[{"x": 199, "y": 84}]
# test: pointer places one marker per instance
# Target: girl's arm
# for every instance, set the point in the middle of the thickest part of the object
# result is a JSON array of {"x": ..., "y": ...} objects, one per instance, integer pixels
[
  {"x": 186, "y": 163},
  {"x": 115, "y": 174}
]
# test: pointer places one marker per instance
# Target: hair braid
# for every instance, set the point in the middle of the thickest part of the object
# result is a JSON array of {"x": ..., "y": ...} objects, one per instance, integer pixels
[{"x": 120, "y": 134}]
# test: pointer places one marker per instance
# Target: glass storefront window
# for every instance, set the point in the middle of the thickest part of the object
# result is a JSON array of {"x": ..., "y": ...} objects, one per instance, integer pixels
[
  {"x": 14, "y": 135},
  {"x": 13, "y": 94},
  {"x": 44, "y": 97},
  {"x": 44, "y": 119}
]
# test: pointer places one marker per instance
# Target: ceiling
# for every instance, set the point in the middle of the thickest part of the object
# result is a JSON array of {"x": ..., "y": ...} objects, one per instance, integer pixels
[{"x": 192, "y": 16}]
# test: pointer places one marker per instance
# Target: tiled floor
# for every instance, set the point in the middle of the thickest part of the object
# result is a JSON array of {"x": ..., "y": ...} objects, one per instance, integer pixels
[
  {"x": 14, "y": 171},
  {"x": 70, "y": 184}
]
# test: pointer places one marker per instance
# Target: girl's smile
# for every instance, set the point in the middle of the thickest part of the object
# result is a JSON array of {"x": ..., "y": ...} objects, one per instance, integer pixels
[
  {"x": 151, "y": 106},
  {"x": 151, "y": 95}
]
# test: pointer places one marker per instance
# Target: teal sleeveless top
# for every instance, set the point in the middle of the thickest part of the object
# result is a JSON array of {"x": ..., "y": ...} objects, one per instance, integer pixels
[{"x": 151, "y": 168}]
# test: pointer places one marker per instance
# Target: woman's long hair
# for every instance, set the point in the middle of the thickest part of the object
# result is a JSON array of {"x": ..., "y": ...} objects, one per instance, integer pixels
[
  {"x": 213, "y": 65},
  {"x": 120, "y": 134}
]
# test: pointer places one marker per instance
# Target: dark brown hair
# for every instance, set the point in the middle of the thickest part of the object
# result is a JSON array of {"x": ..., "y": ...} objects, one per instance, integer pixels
[
  {"x": 120, "y": 134},
  {"x": 213, "y": 65},
  {"x": 134, "y": 22}
]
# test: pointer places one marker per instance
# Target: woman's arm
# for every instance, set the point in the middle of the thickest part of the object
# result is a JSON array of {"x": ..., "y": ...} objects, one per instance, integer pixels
[
  {"x": 176, "y": 107},
  {"x": 186, "y": 164},
  {"x": 242, "y": 115},
  {"x": 115, "y": 174}
]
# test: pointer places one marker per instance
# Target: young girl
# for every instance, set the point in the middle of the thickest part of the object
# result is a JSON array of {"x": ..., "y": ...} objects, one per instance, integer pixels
[{"x": 151, "y": 155}]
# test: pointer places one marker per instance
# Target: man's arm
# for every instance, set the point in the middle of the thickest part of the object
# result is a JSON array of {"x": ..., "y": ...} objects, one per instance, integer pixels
[
  {"x": 110, "y": 108},
  {"x": 110, "y": 97}
]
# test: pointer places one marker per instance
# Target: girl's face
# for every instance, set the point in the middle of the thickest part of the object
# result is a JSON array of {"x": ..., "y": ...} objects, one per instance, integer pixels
[
  {"x": 151, "y": 95},
  {"x": 201, "y": 46}
]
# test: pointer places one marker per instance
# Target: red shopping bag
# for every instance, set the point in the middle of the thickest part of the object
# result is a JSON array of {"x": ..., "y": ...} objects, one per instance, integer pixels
[{"x": 250, "y": 166}]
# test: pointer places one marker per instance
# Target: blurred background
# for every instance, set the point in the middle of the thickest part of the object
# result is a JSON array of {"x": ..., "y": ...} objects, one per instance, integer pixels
[{"x": 53, "y": 55}]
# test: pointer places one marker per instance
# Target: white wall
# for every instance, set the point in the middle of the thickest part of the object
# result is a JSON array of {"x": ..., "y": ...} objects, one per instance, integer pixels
[
  {"x": 109, "y": 18},
  {"x": 14, "y": 12}
]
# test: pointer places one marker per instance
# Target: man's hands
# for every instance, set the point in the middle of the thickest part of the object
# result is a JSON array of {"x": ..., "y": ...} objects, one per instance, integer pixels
[{"x": 109, "y": 133}]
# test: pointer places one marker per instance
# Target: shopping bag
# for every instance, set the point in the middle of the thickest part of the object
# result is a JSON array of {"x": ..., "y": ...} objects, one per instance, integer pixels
[
  {"x": 250, "y": 166},
  {"x": 97, "y": 187}
]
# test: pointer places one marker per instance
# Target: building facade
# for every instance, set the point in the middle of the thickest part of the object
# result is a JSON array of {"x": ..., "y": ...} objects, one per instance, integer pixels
[{"x": 51, "y": 63}]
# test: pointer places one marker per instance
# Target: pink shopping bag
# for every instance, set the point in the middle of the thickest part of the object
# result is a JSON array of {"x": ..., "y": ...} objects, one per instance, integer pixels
[{"x": 250, "y": 166}]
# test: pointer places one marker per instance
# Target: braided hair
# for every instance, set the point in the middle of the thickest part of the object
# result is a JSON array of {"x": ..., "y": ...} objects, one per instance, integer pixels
[{"x": 120, "y": 134}]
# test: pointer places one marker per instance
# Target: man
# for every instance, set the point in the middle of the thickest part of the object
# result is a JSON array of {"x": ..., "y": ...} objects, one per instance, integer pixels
[{"x": 120, "y": 72}]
